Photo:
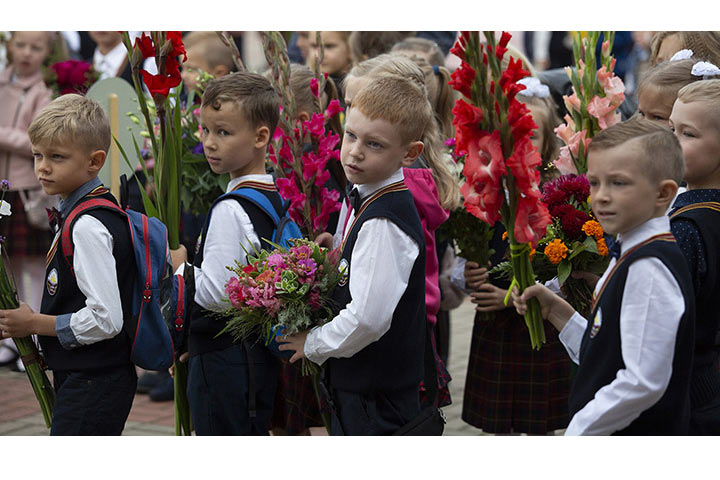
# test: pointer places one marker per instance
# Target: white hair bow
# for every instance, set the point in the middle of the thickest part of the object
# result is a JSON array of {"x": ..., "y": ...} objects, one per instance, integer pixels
[
  {"x": 682, "y": 55},
  {"x": 705, "y": 69},
  {"x": 533, "y": 88}
]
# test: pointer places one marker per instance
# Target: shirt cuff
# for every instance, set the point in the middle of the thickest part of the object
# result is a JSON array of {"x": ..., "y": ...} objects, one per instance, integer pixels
[
  {"x": 65, "y": 335},
  {"x": 310, "y": 347},
  {"x": 571, "y": 335}
]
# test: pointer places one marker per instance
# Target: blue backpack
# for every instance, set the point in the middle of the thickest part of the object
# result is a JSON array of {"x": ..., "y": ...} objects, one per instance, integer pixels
[{"x": 159, "y": 301}]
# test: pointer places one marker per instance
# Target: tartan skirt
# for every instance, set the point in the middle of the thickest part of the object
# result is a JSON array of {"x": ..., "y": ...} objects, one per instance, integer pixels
[
  {"x": 511, "y": 388},
  {"x": 20, "y": 237},
  {"x": 296, "y": 405}
]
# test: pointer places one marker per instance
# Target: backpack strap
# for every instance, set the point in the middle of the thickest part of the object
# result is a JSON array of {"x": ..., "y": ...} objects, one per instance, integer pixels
[
  {"x": 257, "y": 199},
  {"x": 77, "y": 211}
]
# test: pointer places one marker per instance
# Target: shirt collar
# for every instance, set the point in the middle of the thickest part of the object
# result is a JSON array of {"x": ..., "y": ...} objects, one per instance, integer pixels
[
  {"x": 642, "y": 232},
  {"x": 109, "y": 64},
  {"x": 367, "y": 189},
  {"x": 66, "y": 205},
  {"x": 257, "y": 177},
  {"x": 696, "y": 196}
]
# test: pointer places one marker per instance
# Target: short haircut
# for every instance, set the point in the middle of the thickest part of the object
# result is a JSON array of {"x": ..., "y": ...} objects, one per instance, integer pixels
[
  {"x": 366, "y": 45},
  {"x": 214, "y": 50},
  {"x": 418, "y": 44},
  {"x": 659, "y": 151},
  {"x": 253, "y": 93},
  {"x": 398, "y": 101},
  {"x": 72, "y": 118},
  {"x": 707, "y": 91}
]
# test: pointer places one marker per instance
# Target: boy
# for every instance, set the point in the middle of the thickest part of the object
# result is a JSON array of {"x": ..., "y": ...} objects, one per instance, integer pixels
[
  {"x": 231, "y": 386},
  {"x": 374, "y": 345},
  {"x": 635, "y": 353},
  {"x": 695, "y": 222},
  {"x": 205, "y": 53},
  {"x": 83, "y": 309}
]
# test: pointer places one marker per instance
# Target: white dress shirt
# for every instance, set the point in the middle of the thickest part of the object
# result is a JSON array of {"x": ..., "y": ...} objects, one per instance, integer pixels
[
  {"x": 109, "y": 64},
  {"x": 230, "y": 234},
  {"x": 652, "y": 306},
  {"x": 382, "y": 260}
]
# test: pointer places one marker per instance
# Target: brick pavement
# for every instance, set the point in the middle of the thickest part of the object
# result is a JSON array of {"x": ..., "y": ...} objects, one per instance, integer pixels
[{"x": 20, "y": 414}]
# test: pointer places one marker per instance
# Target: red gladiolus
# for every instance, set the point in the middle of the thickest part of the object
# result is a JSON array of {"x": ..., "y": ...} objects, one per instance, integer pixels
[
  {"x": 520, "y": 120},
  {"x": 146, "y": 46},
  {"x": 177, "y": 44},
  {"x": 333, "y": 109},
  {"x": 523, "y": 163},
  {"x": 462, "y": 79},
  {"x": 484, "y": 166},
  {"x": 531, "y": 220},
  {"x": 161, "y": 84},
  {"x": 314, "y": 87},
  {"x": 466, "y": 119}
]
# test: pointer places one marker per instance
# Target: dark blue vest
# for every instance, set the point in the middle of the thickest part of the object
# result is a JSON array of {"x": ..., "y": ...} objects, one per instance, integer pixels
[
  {"x": 63, "y": 296},
  {"x": 601, "y": 354},
  {"x": 205, "y": 324},
  {"x": 705, "y": 383},
  {"x": 395, "y": 361}
]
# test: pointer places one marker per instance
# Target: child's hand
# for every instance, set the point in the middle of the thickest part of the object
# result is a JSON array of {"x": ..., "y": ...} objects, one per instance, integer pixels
[
  {"x": 295, "y": 342},
  {"x": 590, "y": 278},
  {"x": 178, "y": 256},
  {"x": 552, "y": 307},
  {"x": 325, "y": 240},
  {"x": 183, "y": 358},
  {"x": 16, "y": 323},
  {"x": 489, "y": 298},
  {"x": 475, "y": 276}
]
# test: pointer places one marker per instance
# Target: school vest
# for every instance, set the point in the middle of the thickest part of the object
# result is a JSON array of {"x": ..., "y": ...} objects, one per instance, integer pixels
[
  {"x": 705, "y": 383},
  {"x": 205, "y": 324},
  {"x": 395, "y": 361},
  {"x": 61, "y": 295},
  {"x": 601, "y": 354}
]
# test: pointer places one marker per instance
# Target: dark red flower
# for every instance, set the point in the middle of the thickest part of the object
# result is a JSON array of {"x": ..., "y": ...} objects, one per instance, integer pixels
[
  {"x": 572, "y": 222},
  {"x": 576, "y": 186},
  {"x": 146, "y": 46},
  {"x": 501, "y": 47},
  {"x": 462, "y": 79},
  {"x": 177, "y": 44},
  {"x": 73, "y": 76},
  {"x": 466, "y": 119}
]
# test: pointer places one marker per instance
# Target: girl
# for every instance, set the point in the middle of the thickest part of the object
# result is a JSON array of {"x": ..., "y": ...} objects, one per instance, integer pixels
[
  {"x": 337, "y": 58},
  {"x": 296, "y": 408},
  {"x": 22, "y": 94},
  {"x": 432, "y": 185},
  {"x": 420, "y": 48},
  {"x": 511, "y": 388},
  {"x": 705, "y": 45}
]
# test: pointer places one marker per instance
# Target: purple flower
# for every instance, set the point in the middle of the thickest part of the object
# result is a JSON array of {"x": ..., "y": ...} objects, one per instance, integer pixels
[
  {"x": 5, "y": 185},
  {"x": 307, "y": 267},
  {"x": 2, "y": 238},
  {"x": 198, "y": 150}
]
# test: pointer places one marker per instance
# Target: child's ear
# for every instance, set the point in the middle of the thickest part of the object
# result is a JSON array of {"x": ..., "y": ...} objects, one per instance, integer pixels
[
  {"x": 413, "y": 153},
  {"x": 666, "y": 193},
  {"x": 262, "y": 137},
  {"x": 303, "y": 116},
  {"x": 97, "y": 160}
]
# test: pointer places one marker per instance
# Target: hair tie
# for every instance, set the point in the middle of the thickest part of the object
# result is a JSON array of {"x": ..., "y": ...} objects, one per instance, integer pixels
[
  {"x": 705, "y": 70},
  {"x": 436, "y": 69},
  {"x": 683, "y": 54},
  {"x": 533, "y": 88}
]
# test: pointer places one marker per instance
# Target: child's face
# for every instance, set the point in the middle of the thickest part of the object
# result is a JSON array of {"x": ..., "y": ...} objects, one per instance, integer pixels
[
  {"x": 194, "y": 65},
  {"x": 538, "y": 135},
  {"x": 28, "y": 50},
  {"x": 669, "y": 47},
  {"x": 695, "y": 128},
  {"x": 621, "y": 195},
  {"x": 336, "y": 60},
  {"x": 655, "y": 105},
  {"x": 372, "y": 150},
  {"x": 64, "y": 167},
  {"x": 230, "y": 142}
]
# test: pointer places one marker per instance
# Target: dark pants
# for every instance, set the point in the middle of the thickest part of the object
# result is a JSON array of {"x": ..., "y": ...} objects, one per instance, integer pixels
[
  {"x": 93, "y": 402},
  {"x": 378, "y": 413},
  {"x": 705, "y": 420},
  {"x": 218, "y": 391}
]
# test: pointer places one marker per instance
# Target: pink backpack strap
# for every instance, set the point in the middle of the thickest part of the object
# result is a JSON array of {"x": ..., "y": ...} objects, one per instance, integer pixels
[{"x": 78, "y": 210}]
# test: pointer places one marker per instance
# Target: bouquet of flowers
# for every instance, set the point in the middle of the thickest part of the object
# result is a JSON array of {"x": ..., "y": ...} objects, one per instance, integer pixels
[
  {"x": 502, "y": 178},
  {"x": 300, "y": 151},
  {"x": 282, "y": 292},
  {"x": 70, "y": 76},
  {"x": 167, "y": 152},
  {"x": 593, "y": 105},
  {"x": 34, "y": 365}
]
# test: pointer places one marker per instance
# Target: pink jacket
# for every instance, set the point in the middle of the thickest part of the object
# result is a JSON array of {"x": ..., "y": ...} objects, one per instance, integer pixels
[
  {"x": 19, "y": 103},
  {"x": 422, "y": 187}
]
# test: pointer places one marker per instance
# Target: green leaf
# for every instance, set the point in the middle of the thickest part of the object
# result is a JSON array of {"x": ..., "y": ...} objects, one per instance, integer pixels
[
  {"x": 564, "y": 270},
  {"x": 591, "y": 245}
]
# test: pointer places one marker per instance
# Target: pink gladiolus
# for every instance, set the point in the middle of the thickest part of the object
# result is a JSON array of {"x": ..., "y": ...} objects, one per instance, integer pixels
[
  {"x": 605, "y": 48},
  {"x": 333, "y": 109},
  {"x": 564, "y": 163},
  {"x": 316, "y": 125},
  {"x": 604, "y": 111},
  {"x": 565, "y": 131},
  {"x": 612, "y": 86},
  {"x": 572, "y": 102},
  {"x": 314, "y": 87}
]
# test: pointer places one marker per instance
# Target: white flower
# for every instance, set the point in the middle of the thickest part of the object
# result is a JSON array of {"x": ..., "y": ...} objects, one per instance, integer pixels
[
  {"x": 705, "y": 69},
  {"x": 683, "y": 54},
  {"x": 5, "y": 209},
  {"x": 533, "y": 88}
]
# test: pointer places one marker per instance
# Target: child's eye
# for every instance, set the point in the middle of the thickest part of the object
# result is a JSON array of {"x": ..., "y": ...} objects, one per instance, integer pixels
[
  {"x": 350, "y": 135},
  {"x": 223, "y": 133},
  {"x": 374, "y": 145},
  {"x": 204, "y": 130},
  {"x": 593, "y": 183},
  {"x": 688, "y": 134},
  {"x": 618, "y": 183}
]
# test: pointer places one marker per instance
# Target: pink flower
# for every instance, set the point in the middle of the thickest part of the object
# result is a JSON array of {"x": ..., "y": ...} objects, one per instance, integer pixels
[
  {"x": 307, "y": 267},
  {"x": 314, "y": 87},
  {"x": 565, "y": 131},
  {"x": 316, "y": 125},
  {"x": 612, "y": 86},
  {"x": 572, "y": 102},
  {"x": 333, "y": 109},
  {"x": 275, "y": 260},
  {"x": 604, "y": 111}
]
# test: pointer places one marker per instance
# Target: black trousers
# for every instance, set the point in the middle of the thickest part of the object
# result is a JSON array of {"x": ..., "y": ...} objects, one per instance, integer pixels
[
  {"x": 93, "y": 402},
  {"x": 377, "y": 413}
]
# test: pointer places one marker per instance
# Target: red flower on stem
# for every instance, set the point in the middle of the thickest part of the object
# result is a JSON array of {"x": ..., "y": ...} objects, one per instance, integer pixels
[
  {"x": 484, "y": 166},
  {"x": 523, "y": 163},
  {"x": 462, "y": 79},
  {"x": 531, "y": 219},
  {"x": 466, "y": 119}
]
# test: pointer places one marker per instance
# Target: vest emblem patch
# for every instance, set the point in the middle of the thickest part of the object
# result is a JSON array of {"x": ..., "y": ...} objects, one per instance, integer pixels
[
  {"x": 52, "y": 281},
  {"x": 343, "y": 269},
  {"x": 597, "y": 323}
]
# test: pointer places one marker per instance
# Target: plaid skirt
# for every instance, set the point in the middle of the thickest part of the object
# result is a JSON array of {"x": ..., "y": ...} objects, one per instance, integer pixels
[
  {"x": 296, "y": 405},
  {"x": 20, "y": 237},
  {"x": 509, "y": 386}
]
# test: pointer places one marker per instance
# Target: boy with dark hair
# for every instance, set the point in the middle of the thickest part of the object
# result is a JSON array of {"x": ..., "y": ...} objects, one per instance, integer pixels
[{"x": 635, "y": 353}]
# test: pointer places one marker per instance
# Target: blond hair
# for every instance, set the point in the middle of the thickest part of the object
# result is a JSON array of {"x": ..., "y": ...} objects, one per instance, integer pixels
[
  {"x": 364, "y": 45},
  {"x": 669, "y": 77},
  {"x": 705, "y": 45},
  {"x": 658, "y": 150},
  {"x": 707, "y": 92},
  {"x": 72, "y": 118},
  {"x": 300, "y": 77},
  {"x": 409, "y": 45},
  {"x": 214, "y": 51}
]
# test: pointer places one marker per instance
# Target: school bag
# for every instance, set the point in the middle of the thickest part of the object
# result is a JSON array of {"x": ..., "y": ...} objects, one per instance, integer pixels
[{"x": 159, "y": 301}]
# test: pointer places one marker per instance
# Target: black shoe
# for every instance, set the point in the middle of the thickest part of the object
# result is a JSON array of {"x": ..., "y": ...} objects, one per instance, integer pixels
[
  {"x": 164, "y": 391},
  {"x": 149, "y": 380}
]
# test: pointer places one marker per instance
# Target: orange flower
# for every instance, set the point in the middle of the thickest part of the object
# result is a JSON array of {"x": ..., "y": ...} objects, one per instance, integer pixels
[
  {"x": 593, "y": 229},
  {"x": 556, "y": 251},
  {"x": 504, "y": 236},
  {"x": 602, "y": 247},
  {"x": 532, "y": 253}
]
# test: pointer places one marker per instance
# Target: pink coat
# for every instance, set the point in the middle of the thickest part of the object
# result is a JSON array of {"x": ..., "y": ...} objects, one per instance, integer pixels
[
  {"x": 19, "y": 103},
  {"x": 422, "y": 187}
]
